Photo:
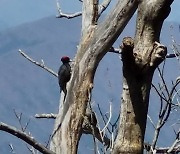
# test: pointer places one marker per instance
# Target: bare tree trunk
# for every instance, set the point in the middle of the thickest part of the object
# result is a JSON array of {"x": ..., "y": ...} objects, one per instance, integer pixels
[
  {"x": 95, "y": 42},
  {"x": 140, "y": 58}
]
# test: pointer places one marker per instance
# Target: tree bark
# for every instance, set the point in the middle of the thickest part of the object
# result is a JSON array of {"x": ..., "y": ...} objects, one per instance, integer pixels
[
  {"x": 95, "y": 42},
  {"x": 140, "y": 58}
]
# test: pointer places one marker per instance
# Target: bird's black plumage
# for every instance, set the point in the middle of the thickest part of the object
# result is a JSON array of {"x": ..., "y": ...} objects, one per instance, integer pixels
[{"x": 64, "y": 74}]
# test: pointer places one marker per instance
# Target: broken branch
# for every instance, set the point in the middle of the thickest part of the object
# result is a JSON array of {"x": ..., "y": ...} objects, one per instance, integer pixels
[
  {"x": 42, "y": 65},
  {"x": 68, "y": 16},
  {"x": 48, "y": 116}
]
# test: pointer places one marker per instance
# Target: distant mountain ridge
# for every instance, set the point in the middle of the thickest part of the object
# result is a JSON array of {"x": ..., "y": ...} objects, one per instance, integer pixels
[
  {"x": 46, "y": 39},
  {"x": 31, "y": 90}
]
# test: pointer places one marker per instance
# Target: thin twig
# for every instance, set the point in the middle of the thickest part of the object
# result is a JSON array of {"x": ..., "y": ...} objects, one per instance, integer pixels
[
  {"x": 172, "y": 55},
  {"x": 157, "y": 91},
  {"x": 12, "y": 148},
  {"x": 175, "y": 142},
  {"x": 42, "y": 65},
  {"x": 161, "y": 88},
  {"x": 165, "y": 111},
  {"x": 115, "y": 50},
  {"x": 161, "y": 107},
  {"x": 164, "y": 82},
  {"x": 160, "y": 150},
  {"x": 170, "y": 100},
  {"x": 27, "y": 124},
  {"x": 19, "y": 118},
  {"x": 31, "y": 149},
  {"x": 151, "y": 121},
  {"x": 163, "y": 67},
  {"x": 110, "y": 115},
  {"x": 176, "y": 53},
  {"x": 107, "y": 119},
  {"x": 87, "y": 129},
  {"x": 115, "y": 123},
  {"x": 103, "y": 118},
  {"x": 103, "y": 6},
  {"x": 48, "y": 142}
]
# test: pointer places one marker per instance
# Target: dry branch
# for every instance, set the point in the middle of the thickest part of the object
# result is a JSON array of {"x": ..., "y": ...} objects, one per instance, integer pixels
[
  {"x": 31, "y": 150},
  {"x": 175, "y": 49},
  {"x": 68, "y": 16},
  {"x": 25, "y": 137},
  {"x": 110, "y": 116},
  {"x": 12, "y": 148},
  {"x": 161, "y": 150},
  {"x": 48, "y": 116},
  {"x": 19, "y": 118},
  {"x": 88, "y": 128},
  {"x": 42, "y": 65},
  {"x": 151, "y": 121},
  {"x": 115, "y": 50},
  {"x": 165, "y": 110},
  {"x": 174, "y": 145},
  {"x": 172, "y": 55},
  {"x": 103, "y": 118},
  {"x": 103, "y": 6}
]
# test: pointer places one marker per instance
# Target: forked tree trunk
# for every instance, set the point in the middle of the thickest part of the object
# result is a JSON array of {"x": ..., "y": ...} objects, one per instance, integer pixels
[
  {"x": 95, "y": 42},
  {"x": 140, "y": 58}
]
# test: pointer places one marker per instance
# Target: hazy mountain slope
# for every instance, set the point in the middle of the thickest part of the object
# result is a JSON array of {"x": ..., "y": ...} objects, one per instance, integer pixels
[
  {"x": 47, "y": 39},
  {"x": 30, "y": 90}
]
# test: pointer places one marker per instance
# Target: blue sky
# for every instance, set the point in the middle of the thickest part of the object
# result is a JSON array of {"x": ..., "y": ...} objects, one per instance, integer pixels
[{"x": 16, "y": 12}]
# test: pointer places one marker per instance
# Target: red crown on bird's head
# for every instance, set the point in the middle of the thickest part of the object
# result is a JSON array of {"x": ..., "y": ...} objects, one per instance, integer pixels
[{"x": 65, "y": 59}]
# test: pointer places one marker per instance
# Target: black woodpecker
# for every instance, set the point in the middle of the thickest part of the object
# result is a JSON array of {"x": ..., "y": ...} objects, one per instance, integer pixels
[{"x": 64, "y": 74}]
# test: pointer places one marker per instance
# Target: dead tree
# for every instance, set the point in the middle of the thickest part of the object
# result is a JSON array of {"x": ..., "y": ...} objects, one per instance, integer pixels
[
  {"x": 140, "y": 57},
  {"x": 96, "y": 40}
]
